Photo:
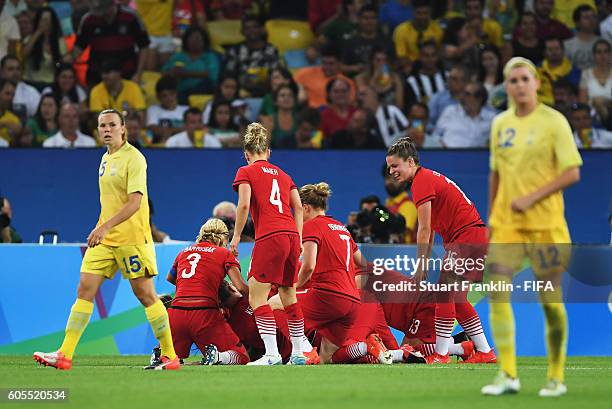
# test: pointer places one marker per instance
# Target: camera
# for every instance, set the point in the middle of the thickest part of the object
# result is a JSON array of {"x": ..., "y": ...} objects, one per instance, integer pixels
[
  {"x": 377, "y": 225},
  {"x": 5, "y": 220}
]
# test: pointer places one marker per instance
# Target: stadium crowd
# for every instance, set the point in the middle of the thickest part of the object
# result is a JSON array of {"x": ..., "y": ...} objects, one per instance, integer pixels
[{"x": 333, "y": 74}]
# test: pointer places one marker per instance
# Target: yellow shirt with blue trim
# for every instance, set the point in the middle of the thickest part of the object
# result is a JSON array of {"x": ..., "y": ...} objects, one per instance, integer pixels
[
  {"x": 122, "y": 173},
  {"x": 407, "y": 39},
  {"x": 527, "y": 153},
  {"x": 130, "y": 97}
]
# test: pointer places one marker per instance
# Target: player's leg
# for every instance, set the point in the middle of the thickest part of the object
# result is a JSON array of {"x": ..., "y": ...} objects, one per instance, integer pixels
[
  {"x": 218, "y": 342},
  {"x": 157, "y": 316},
  {"x": 470, "y": 322},
  {"x": 264, "y": 319},
  {"x": 181, "y": 337}
]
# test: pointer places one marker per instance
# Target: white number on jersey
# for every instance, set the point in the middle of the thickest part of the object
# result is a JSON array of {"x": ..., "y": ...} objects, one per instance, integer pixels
[
  {"x": 275, "y": 196},
  {"x": 194, "y": 259},
  {"x": 348, "y": 250}
]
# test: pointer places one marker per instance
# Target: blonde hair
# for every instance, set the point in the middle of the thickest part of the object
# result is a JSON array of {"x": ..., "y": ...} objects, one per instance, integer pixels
[
  {"x": 213, "y": 231},
  {"x": 517, "y": 62},
  {"x": 256, "y": 138},
  {"x": 315, "y": 195}
]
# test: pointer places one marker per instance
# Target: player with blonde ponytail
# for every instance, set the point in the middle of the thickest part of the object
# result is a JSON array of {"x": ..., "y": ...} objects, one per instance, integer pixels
[{"x": 271, "y": 197}]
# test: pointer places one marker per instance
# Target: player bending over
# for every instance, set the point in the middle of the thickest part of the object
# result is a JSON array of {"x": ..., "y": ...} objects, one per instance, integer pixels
[{"x": 270, "y": 195}]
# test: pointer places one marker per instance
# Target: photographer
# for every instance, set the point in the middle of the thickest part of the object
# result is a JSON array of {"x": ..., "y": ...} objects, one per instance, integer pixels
[
  {"x": 7, "y": 232},
  {"x": 375, "y": 223}
]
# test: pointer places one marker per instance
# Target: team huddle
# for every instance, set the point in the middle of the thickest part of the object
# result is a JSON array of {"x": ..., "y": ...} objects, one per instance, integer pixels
[{"x": 309, "y": 297}]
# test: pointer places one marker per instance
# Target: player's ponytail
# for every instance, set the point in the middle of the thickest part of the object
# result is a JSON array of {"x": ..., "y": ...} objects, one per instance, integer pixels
[
  {"x": 213, "y": 231},
  {"x": 256, "y": 139},
  {"x": 316, "y": 195}
]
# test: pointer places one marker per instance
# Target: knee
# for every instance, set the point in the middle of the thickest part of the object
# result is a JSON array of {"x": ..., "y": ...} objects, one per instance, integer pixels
[
  {"x": 146, "y": 297},
  {"x": 86, "y": 291}
]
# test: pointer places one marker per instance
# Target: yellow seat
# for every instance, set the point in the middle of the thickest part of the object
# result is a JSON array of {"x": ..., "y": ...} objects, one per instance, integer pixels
[
  {"x": 289, "y": 34},
  {"x": 199, "y": 100},
  {"x": 223, "y": 33},
  {"x": 148, "y": 80}
]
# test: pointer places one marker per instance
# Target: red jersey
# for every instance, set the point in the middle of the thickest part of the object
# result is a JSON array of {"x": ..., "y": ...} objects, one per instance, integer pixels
[
  {"x": 335, "y": 271},
  {"x": 270, "y": 198},
  {"x": 451, "y": 210},
  {"x": 199, "y": 271}
]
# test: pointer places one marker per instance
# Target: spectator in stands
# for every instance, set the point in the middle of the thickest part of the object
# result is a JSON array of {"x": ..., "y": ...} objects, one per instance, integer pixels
[
  {"x": 394, "y": 12},
  {"x": 65, "y": 87},
  {"x": 283, "y": 123},
  {"x": 112, "y": 32},
  {"x": 565, "y": 94},
  {"x": 114, "y": 92},
  {"x": 322, "y": 12},
  {"x": 253, "y": 58},
  {"x": 605, "y": 27},
  {"x": 277, "y": 77},
  {"x": 555, "y": 66},
  {"x": 398, "y": 202},
  {"x": 380, "y": 76},
  {"x": 307, "y": 134},
  {"x": 564, "y": 11},
  {"x": 44, "y": 124},
  {"x": 419, "y": 129},
  {"x": 27, "y": 97},
  {"x": 458, "y": 76},
  {"x": 579, "y": 49},
  {"x": 10, "y": 125},
  {"x": 43, "y": 48},
  {"x": 137, "y": 136},
  {"x": 337, "y": 114},
  {"x": 313, "y": 81},
  {"x": 462, "y": 44},
  {"x": 491, "y": 76},
  {"x": 25, "y": 23},
  {"x": 357, "y": 50},
  {"x": 227, "y": 90},
  {"x": 7, "y": 233},
  {"x": 186, "y": 14},
  {"x": 157, "y": 18},
  {"x": 230, "y": 9},
  {"x": 222, "y": 125},
  {"x": 585, "y": 134},
  {"x": 428, "y": 76},
  {"x": 596, "y": 83},
  {"x": 194, "y": 135},
  {"x": 527, "y": 43},
  {"x": 391, "y": 123},
  {"x": 14, "y": 7},
  {"x": 360, "y": 133},
  {"x": 466, "y": 125},
  {"x": 341, "y": 25},
  {"x": 410, "y": 34},
  {"x": 488, "y": 30},
  {"x": 9, "y": 32},
  {"x": 547, "y": 27},
  {"x": 166, "y": 118},
  {"x": 69, "y": 135},
  {"x": 196, "y": 67}
]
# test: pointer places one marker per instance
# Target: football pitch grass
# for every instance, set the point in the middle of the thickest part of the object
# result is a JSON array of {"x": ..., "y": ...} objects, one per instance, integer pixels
[{"x": 120, "y": 382}]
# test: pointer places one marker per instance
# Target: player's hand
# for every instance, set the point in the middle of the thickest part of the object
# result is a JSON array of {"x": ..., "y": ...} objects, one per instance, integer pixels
[
  {"x": 96, "y": 236},
  {"x": 234, "y": 245},
  {"x": 522, "y": 204}
]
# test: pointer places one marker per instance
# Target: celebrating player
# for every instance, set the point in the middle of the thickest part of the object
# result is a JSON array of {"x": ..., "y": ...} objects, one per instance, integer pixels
[
  {"x": 533, "y": 158},
  {"x": 122, "y": 239},
  {"x": 443, "y": 208},
  {"x": 270, "y": 195},
  {"x": 198, "y": 272}
]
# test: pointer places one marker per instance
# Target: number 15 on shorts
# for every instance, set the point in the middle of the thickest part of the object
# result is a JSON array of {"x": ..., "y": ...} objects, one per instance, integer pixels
[{"x": 131, "y": 264}]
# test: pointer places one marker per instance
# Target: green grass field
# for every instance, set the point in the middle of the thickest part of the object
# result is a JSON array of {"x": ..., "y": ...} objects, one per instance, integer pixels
[{"x": 119, "y": 382}]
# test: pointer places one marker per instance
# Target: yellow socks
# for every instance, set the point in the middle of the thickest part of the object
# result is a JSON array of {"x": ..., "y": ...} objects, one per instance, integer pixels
[
  {"x": 556, "y": 339},
  {"x": 158, "y": 317},
  {"x": 502, "y": 326},
  {"x": 77, "y": 322}
]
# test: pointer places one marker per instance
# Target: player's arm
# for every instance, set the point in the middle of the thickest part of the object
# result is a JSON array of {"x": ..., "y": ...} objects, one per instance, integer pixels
[
  {"x": 296, "y": 205},
  {"x": 361, "y": 262},
  {"x": 131, "y": 207},
  {"x": 493, "y": 186},
  {"x": 234, "y": 274},
  {"x": 424, "y": 239},
  {"x": 242, "y": 213},
  {"x": 308, "y": 264},
  {"x": 567, "y": 178}
]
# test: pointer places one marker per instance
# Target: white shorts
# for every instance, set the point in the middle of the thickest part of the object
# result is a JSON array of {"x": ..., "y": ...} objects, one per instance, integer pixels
[{"x": 163, "y": 44}]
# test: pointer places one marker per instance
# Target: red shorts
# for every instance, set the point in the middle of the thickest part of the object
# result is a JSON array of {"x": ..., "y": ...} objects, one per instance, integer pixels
[
  {"x": 370, "y": 319},
  {"x": 275, "y": 260},
  {"x": 416, "y": 321},
  {"x": 330, "y": 315},
  {"x": 202, "y": 327},
  {"x": 468, "y": 252}
]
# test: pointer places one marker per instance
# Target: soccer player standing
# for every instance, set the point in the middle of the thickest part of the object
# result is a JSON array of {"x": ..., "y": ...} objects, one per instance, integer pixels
[
  {"x": 122, "y": 239},
  {"x": 533, "y": 158},
  {"x": 443, "y": 208},
  {"x": 270, "y": 195}
]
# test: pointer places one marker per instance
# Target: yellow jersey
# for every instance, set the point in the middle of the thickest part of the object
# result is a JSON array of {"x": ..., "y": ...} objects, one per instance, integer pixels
[
  {"x": 528, "y": 152},
  {"x": 122, "y": 173},
  {"x": 130, "y": 97},
  {"x": 563, "y": 10},
  {"x": 8, "y": 117},
  {"x": 402, "y": 204},
  {"x": 407, "y": 39},
  {"x": 156, "y": 15}
]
